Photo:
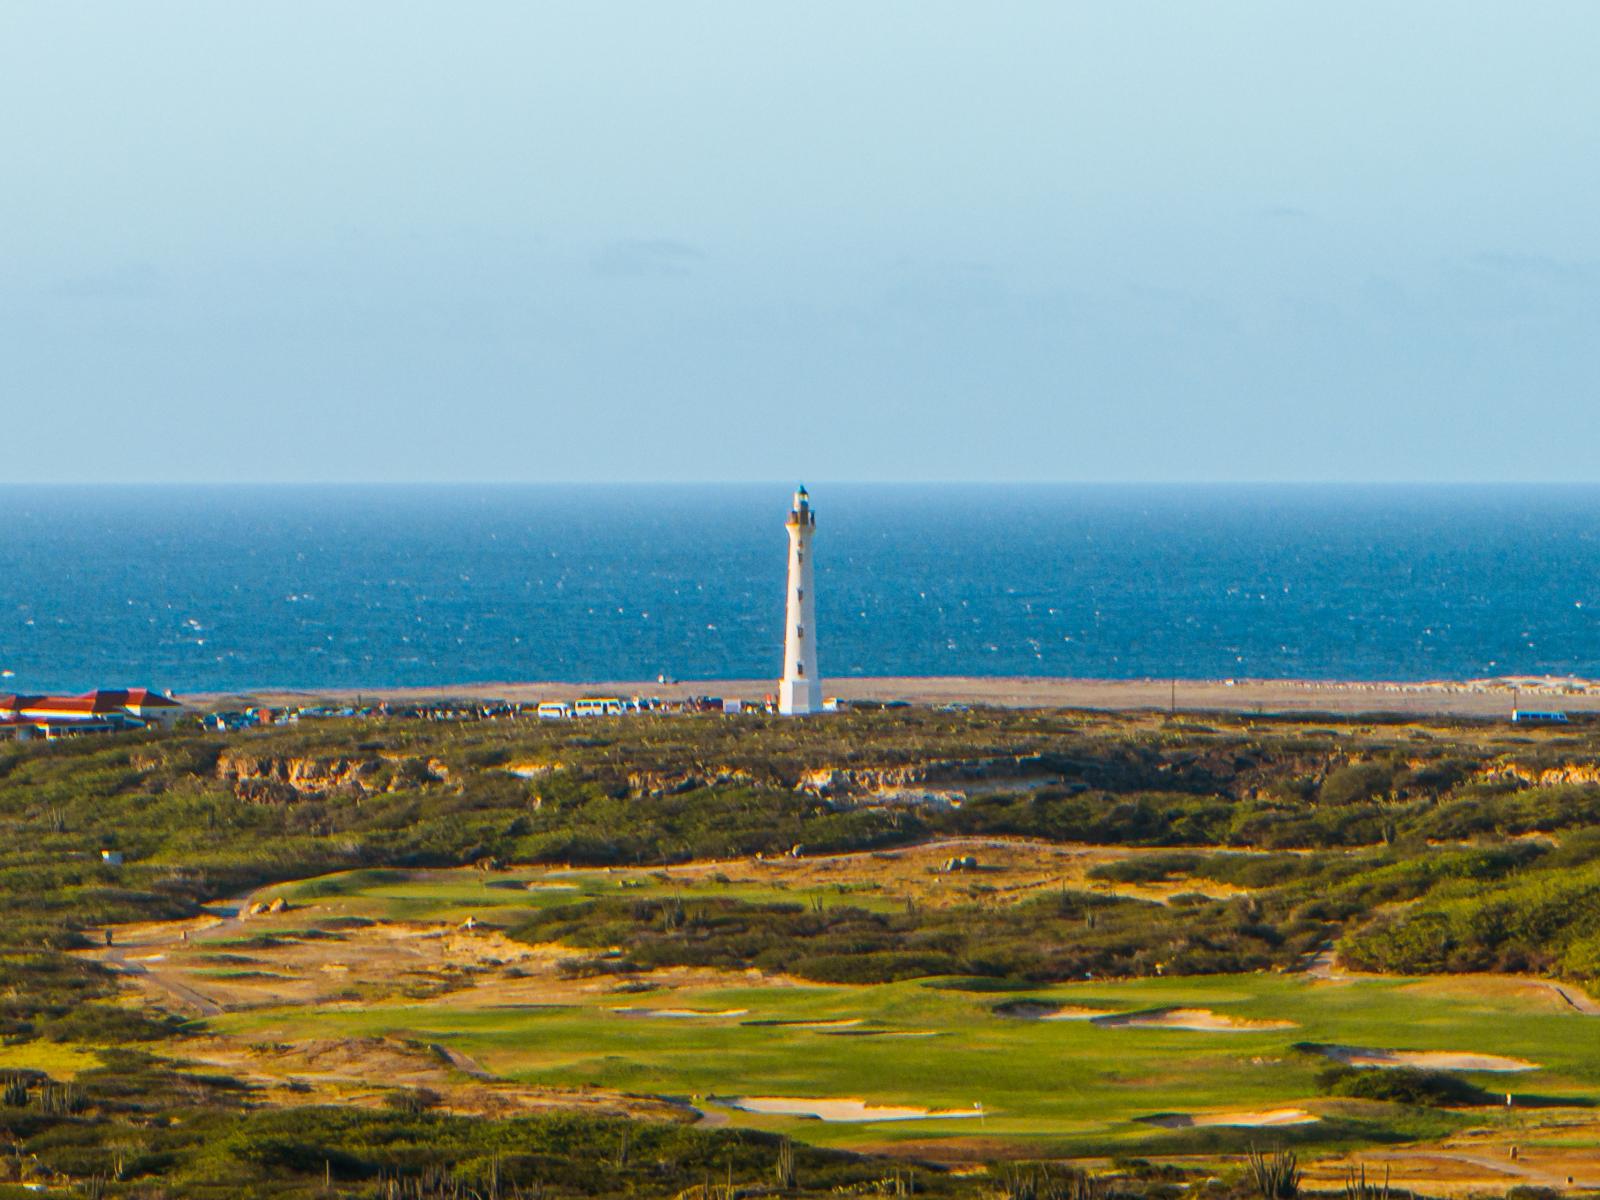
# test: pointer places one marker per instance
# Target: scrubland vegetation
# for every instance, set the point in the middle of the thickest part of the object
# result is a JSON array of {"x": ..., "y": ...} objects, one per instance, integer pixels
[{"x": 1412, "y": 848}]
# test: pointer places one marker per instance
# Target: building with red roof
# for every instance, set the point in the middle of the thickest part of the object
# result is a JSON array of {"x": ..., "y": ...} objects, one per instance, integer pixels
[{"x": 104, "y": 710}]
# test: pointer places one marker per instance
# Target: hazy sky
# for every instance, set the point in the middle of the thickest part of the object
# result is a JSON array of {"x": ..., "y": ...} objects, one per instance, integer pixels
[{"x": 527, "y": 241}]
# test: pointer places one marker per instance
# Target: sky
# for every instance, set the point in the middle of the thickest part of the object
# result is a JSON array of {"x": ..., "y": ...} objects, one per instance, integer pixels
[{"x": 904, "y": 240}]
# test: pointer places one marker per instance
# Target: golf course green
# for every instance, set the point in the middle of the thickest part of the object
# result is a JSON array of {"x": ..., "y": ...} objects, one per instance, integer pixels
[{"x": 1147, "y": 1065}]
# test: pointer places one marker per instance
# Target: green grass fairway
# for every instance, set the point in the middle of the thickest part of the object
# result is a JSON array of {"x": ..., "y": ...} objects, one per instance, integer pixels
[
  {"x": 453, "y": 895},
  {"x": 1065, "y": 1086}
]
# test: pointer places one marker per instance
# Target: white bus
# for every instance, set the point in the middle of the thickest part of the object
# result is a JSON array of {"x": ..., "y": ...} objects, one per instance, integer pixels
[
  {"x": 554, "y": 710},
  {"x": 597, "y": 706}
]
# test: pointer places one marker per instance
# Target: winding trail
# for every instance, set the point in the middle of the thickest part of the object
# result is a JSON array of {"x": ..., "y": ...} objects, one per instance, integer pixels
[
  {"x": 1507, "y": 1167},
  {"x": 711, "y": 1118},
  {"x": 116, "y": 957},
  {"x": 1578, "y": 1000},
  {"x": 463, "y": 1063},
  {"x": 937, "y": 845},
  {"x": 1324, "y": 965},
  {"x": 227, "y": 916}
]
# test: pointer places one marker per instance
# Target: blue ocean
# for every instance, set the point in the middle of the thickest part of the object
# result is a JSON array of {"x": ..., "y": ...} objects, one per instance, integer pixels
[{"x": 233, "y": 588}]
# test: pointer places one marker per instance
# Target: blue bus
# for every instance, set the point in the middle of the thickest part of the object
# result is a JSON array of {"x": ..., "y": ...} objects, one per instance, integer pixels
[{"x": 1523, "y": 717}]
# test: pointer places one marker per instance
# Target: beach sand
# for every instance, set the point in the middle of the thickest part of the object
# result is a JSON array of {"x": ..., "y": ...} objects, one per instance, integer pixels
[{"x": 1478, "y": 698}]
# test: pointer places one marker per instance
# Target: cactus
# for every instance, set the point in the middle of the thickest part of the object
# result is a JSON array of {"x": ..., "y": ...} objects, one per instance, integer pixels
[
  {"x": 1047, "y": 1182},
  {"x": 784, "y": 1170},
  {"x": 1356, "y": 1186},
  {"x": 1276, "y": 1176}
]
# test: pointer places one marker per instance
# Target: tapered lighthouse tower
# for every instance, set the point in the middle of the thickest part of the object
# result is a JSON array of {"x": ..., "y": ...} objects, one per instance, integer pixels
[{"x": 801, "y": 690}]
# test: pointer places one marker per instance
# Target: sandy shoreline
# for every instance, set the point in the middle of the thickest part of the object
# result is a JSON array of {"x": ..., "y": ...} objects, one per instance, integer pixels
[{"x": 1476, "y": 698}]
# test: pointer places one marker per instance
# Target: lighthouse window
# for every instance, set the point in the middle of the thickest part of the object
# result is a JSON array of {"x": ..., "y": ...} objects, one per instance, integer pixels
[
  {"x": 799, "y": 631},
  {"x": 799, "y": 593},
  {"x": 800, "y": 669}
]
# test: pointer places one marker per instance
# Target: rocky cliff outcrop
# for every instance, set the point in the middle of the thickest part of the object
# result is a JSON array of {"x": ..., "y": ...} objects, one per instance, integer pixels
[
  {"x": 1533, "y": 776},
  {"x": 938, "y": 781},
  {"x": 272, "y": 779},
  {"x": 645, "y": 784}
]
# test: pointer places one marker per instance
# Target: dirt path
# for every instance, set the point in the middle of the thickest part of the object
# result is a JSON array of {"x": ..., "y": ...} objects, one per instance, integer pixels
[
  {"x": 1324, "y": 966},
  {"x": 225, "y": 917},
  {"x": 710, "y": 1118},
  {"x": 939, "y": 845},
  {"x": 705, "y": 866},
  {"x": 462, "y": 1063},
  {"x": 1498, "y": 1167},
  {"x": 116, "y": 957},
  {"x": 1576, "y": 999}
]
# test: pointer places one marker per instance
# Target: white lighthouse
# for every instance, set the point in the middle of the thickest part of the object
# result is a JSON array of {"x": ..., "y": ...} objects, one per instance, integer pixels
[{"x": 801, "y": 690}]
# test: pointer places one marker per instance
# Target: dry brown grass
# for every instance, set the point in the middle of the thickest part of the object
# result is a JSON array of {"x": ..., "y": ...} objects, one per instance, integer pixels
[
  {"x": 347, "y": 1072},
  {"x": 1009, "y": 869}
]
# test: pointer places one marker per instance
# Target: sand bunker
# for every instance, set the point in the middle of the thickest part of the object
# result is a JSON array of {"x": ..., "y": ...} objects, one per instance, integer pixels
[
  {"x": 845, "y": 1109},
  {"x": 1430, "y": 1060},
  {"x": 840, "y": 1023},
  {"x": 1075, "y": 1012},
  {"x": 1201, "y": 1019},
  {"x": 1046, "y": 1010},
  {"x": 1260, "y": 1119},
  {"x": 680, "y": 1013}
]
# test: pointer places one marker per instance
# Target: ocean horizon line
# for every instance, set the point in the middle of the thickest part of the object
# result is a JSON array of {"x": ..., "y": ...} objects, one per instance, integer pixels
[
  {"x": 1164, "y": 485},
  {"x": 205, "y": 589}
]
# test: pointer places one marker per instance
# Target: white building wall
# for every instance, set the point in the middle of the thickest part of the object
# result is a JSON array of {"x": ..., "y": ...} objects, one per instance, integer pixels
[{"x": 801, "y": 690}]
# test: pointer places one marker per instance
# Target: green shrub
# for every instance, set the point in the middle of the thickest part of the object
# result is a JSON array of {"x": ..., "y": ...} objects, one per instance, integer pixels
[{"x": 1403, "y": 1085}]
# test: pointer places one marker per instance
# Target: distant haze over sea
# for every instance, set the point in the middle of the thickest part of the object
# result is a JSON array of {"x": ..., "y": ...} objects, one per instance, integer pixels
[{"x": 233, "y": 588}]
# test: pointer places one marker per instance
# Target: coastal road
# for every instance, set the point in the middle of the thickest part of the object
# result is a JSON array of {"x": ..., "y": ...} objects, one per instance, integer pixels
[{"x": 1489, "y": 698}]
